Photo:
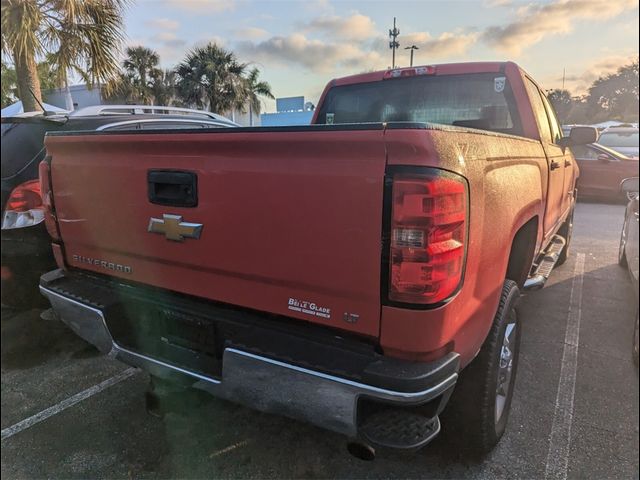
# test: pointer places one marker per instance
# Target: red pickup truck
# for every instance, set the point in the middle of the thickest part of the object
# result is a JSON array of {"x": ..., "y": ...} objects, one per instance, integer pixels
[{"x": 349, "y": 273}]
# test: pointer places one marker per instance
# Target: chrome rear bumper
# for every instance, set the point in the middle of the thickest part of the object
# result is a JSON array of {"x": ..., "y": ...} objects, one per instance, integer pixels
[{"x": 258, "y": 382}]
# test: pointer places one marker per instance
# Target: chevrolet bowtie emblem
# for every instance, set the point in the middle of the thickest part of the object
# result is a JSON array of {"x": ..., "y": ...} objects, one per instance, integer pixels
[{"x": 173, "y": 228}]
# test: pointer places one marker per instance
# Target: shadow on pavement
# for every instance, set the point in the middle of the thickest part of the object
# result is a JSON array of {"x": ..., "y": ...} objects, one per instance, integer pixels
[{"x": 28, "y": 340}]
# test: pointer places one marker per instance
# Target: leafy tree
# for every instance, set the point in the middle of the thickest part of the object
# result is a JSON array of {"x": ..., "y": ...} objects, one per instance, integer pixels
[
  {"x": 135, "y": 84},
  {"x": 49, "y": 78},
  {"x": 256, "y": 89},
  {"x": 83, "y": 36},
  {"x": 8, "y": 85},
  {"x": 141, "y": 67},
  {"x": 46, "y": 74},
  {"x": 212, "y": 78},
  {"x": 164, "y": 88},
  {"x": 616, "y": 95},
  {"x": 142, "y": 81},
  {"x": 562, "y": 103}
]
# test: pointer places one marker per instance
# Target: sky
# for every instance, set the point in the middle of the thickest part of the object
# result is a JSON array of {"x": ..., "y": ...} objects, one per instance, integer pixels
[{"x": 300, "y": 45}]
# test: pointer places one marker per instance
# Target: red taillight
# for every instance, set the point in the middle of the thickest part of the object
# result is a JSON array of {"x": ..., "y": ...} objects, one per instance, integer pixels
[
  {"x": 45, "y": 187},
  {"x": 25, "y": 197},
  {"x": 428, "y": 235},
  {"x": 24, "y": 206}
]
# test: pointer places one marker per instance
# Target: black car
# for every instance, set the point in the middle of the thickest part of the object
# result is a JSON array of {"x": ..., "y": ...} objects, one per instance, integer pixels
[
  {"x": 26, "y": 247},
  {"x": 628, "y": 255}
]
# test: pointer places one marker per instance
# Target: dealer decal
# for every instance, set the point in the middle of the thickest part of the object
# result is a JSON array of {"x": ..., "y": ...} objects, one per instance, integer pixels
[{"x": 309, "y": 308}]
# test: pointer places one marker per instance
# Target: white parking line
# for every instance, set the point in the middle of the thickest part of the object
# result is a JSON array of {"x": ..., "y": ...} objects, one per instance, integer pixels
[
  {"x": 560, "y": 437},
  {"x": 64, "y": 404}
]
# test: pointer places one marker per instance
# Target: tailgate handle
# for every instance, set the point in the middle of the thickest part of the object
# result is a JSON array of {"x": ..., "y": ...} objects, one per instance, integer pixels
[{"x": 173, "y": 188}]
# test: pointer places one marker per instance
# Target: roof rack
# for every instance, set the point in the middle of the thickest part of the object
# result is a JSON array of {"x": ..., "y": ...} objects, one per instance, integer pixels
[{"x": 142, "y": 110}]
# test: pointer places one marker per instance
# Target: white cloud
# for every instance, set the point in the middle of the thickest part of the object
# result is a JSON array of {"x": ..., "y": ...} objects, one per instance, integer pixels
[
  {"x": 536, "y": 21},
  {"x": 201, "y": 6},
  {"x": 498, "y": 3},
  {"x": 316, "y": 6},
  {"x": 163, "y": 24},
  {"x": 314, "y": 55},
  {"x": 169, "y": 39},
  {"x": 446, "y": 44},
  {"x": 250, "y": 33},
  {"x": 354, "y": 27}
]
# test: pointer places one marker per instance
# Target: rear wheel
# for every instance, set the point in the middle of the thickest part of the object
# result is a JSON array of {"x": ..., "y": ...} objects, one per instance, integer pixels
[{"x": 482, "y": 398}]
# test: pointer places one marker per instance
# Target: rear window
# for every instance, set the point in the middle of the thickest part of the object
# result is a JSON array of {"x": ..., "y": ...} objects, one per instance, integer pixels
[
  {"x": 483, "y": 101},
  {"x": 619, "y": 139}
]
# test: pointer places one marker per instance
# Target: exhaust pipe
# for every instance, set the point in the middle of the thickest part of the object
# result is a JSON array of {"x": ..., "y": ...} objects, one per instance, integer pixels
[{"x": 362, "y": 451}]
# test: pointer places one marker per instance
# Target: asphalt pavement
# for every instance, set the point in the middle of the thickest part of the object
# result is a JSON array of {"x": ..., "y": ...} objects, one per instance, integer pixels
[{"x": 68, "y": 412}]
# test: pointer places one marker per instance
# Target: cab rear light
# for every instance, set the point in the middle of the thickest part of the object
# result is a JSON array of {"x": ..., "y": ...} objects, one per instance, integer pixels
[
  {"x": 50, "y": 220},
  {"x": 428, "y": 237},
  {"x": 24, "y": 207},
  {"x": 409, "y": 72}
]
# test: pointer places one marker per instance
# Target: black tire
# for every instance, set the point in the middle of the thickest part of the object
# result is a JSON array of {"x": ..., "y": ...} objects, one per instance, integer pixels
[
  {"x": 566, "y": 232},
  {"x": 473, "y": 407},
  {"x": 622, "y": 255}
]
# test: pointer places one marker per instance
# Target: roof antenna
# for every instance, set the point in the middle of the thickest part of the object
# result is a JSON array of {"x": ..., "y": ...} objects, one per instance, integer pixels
[{"x": 44, "y": 111}]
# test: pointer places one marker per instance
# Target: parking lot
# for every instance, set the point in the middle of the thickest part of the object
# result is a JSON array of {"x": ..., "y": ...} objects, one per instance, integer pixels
[{"x": 588, "y": 430}]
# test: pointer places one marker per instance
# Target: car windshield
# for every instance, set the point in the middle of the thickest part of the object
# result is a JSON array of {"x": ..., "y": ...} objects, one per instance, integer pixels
[
  {"x": 619, "y": 139},
  {"x": 483, "y": 101}
]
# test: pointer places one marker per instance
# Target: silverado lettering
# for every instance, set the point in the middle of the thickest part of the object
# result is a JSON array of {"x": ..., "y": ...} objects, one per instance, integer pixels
[
  {"x": 437, "y": 194},
  {"x": 102, "y": 263}
]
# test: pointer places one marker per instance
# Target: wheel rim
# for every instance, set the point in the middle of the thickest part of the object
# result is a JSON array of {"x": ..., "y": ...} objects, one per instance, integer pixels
[{"x": 505, "y": 369}]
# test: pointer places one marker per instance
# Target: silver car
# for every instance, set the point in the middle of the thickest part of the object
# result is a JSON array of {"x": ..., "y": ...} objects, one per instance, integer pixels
[{"x": 621, "y": 139}]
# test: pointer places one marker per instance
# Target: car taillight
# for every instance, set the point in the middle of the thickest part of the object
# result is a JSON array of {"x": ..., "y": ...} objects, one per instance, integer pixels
[
  {"x": 24, "y": 207},
  {"x": 47, "y": 200},
  {"x": 428, "y": 236}
]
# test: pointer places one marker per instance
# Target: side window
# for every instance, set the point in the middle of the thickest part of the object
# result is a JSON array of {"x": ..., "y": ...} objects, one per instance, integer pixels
[
  {"x": 583, "y": 152},
  {"x": 539, "y": 111},
  {"x": 556, "y": 131}
]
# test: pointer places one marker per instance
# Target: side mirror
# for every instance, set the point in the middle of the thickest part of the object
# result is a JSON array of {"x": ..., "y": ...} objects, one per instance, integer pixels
[
  {"x": 604, "y": 158},
  {"x": 630, "y": 185},
  {"x": 583, "y": 135}
]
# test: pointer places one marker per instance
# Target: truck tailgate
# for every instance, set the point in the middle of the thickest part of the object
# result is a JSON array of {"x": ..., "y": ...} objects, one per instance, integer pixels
[{"x": 291, "y": 220}]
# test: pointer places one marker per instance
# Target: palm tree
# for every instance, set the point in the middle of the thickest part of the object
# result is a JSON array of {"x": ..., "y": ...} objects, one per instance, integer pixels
[
  {"x": 141, "y": 66},
  {"x": 256, "y": 89},
  {"x": 211, "y": 77},
  {"x": 164, "y": 87},
  {"x": 136, "y": 83},
  {"x": 83, "y": 36}
]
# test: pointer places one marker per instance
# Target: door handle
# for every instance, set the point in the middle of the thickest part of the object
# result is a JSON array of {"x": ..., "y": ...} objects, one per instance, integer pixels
[
  {"x": 554, "y": 165},
  {"x": 567, "y": 163},
  {"x": 172, "y": 188}
]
